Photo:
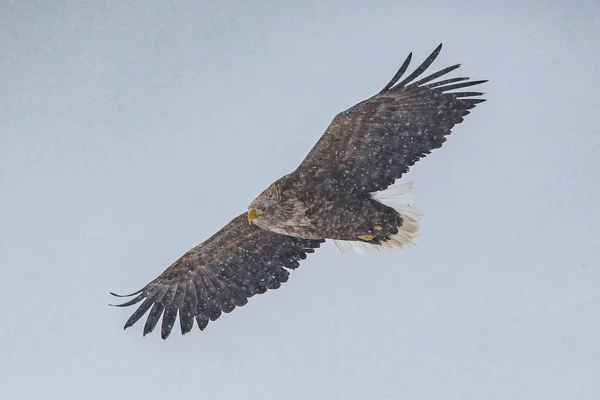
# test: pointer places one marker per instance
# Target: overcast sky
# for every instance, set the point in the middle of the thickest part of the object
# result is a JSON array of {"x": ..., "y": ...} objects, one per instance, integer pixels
[{"x": 130, "y": 132}]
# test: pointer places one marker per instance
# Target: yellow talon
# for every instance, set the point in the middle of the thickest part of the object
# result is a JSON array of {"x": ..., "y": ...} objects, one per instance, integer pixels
[
  {"x": 378, "y": 227},
  {"x": 367, "y": 237}
]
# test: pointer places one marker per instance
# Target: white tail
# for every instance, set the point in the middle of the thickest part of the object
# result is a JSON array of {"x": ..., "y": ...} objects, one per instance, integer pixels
[{"x": 399, "y": 198}]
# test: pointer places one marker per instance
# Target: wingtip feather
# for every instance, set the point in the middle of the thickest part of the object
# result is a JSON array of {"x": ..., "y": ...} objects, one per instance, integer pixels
[
  {"x": 398, "y": 73},
  {"x": 126, "y": 295}
]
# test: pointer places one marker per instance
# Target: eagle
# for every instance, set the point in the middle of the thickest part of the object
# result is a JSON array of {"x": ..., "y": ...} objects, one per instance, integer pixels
[{"x": 344, "y": 190}]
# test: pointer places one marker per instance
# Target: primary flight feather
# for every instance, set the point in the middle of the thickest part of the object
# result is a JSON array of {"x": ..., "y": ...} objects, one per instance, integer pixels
[{"x": 343, "y": 190}]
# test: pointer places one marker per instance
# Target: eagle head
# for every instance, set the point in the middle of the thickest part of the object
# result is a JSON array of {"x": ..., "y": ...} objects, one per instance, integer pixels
[
  {"x": 279, "y": 210},
  {"x": 265, "y": 206}
]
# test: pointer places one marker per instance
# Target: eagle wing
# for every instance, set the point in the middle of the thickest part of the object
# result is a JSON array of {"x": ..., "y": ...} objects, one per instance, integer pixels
[
  {"x": 367, "y": 147},
  {"x": 218, "y": 275}
]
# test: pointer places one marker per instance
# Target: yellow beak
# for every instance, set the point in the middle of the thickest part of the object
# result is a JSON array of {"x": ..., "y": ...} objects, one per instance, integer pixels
[{"x": 251, "y": 215}]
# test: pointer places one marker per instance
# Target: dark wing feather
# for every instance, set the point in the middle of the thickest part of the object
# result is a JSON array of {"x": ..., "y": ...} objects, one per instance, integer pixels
[
  {"x": 367, "y": 147},
  {"x": 217, "y": 276}
]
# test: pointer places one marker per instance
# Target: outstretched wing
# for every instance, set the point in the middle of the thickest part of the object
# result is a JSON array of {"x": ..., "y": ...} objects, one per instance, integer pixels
[
  {"x": 218, "y": 275},
  {"x": 367, "y": 147}
]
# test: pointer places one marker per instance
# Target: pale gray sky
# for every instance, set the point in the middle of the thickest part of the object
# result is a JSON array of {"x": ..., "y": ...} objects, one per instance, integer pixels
[{"x": 132, "y": 131}]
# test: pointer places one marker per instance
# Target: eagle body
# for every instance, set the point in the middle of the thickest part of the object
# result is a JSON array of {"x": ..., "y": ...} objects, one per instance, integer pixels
[
  {"x": 289, "y": 208},
  {"x": 343, "y": 190}
]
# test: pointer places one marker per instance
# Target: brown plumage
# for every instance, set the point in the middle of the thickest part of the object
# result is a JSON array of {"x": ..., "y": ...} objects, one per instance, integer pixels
[
  {"x": 341, "y": 191},
  {"x": 218, "y": 275}
]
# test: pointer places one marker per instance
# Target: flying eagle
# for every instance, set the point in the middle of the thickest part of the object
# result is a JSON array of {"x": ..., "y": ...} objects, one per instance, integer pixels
[{"x": 343, "y": 190}]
